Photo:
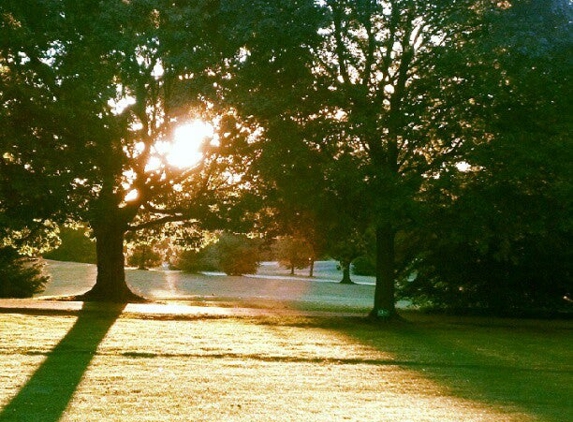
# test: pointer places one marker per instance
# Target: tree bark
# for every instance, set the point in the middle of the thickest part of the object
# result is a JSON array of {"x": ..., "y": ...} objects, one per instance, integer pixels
[
  {"x": 345, "y": 272},
  {"x": 384, "y": 301},
  {"x": 110, "y": 284}
]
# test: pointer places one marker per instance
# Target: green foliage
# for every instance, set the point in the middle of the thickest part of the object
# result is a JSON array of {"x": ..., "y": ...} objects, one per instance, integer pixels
[
  {"x": 292, "y": 252},
  {"x": 154, "y": 246},
  {"x": 364, "y": 265},
  {"x": 233, "y": 254},
  {"x": 194, "y": 261},
  {"x": 75, "y": 246},
  {"x": 461, "y": 277},
  {"x": 500, "y": 235},
  {"x": 143, "y": 256},
  {"x": 362, "y": 112},
  {"x": 20, "y": 277},
  {"x": 504, "y": 242},
  {"x": 87, "y": 91},
  {"x": 238, "y": 254}
]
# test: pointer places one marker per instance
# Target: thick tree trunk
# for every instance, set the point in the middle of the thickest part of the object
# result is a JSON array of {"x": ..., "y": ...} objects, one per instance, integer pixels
[
  {"x": 345, "y": 272},
  {"x": 110, "y": 282},
  {"x": 384, "y": 301}
]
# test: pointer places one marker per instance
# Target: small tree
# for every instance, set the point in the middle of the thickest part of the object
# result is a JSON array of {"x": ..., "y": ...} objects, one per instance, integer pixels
[
  {"x": 194, "y": 261},
  {"x": 237, "y": 254},
  {"x": 20, "y": 276},
  {"x": 293, "y": 252}
]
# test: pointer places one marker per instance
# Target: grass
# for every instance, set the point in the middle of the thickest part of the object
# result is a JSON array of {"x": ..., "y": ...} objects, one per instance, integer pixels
[
  {"x": 71, "y": 279},
  {"x": 114, "y": 366}
]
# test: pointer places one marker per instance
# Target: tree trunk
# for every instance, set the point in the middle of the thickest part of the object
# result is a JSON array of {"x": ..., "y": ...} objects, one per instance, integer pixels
[
  {"x": 110, "y": 282},
  {"x": 311, "y": 270},
  {"x": 384, "y": 301},
  {"x": 142, "y": 262},
  {"x": 345, "y": 272}
]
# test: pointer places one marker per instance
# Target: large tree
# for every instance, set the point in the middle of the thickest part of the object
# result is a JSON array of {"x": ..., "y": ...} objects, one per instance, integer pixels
[
  {"x": 501, "y": 232},
  {"x": 374, "y": 88},
  {"x": 421, "y": 87},
  {"x": 91, "y": 94}
]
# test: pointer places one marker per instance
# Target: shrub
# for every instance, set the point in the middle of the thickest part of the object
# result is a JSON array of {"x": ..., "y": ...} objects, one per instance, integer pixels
[
  {"x": 232, "y": 254},
  {"x": 194, "y": 261},
  {"x": 537, "y": 277},
  {"x": 75, "y": 247},
  {"x": 143, "y": 256},
  {"x": 20, "y": 277},
  {"x": 364, "y": 265},
  {"x": 238, "y": 254}
]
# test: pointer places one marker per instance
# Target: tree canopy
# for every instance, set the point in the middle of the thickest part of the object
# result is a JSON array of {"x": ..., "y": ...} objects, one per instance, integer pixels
[
  {"x": 384, "y": 103},
  {"x": 91, "y": 93}
]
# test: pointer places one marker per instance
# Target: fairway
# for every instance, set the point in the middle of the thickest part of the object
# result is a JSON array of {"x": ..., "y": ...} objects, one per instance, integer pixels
[
  {"x": 271, "y": 287},
  {"x": 255, "y": 349},
  {"x": 109, "y": 365}
]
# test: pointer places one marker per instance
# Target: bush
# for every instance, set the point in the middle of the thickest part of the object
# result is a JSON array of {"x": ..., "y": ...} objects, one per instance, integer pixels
[
  {"x": 143, "y": 257},
  {"x": 194, "y": 261},
  {"x": 232, "y": 254},
  {"x": 364, "y": 265},
  {"x": 20, "y": 277},
  {"x": 462, "y": 278},
  {"x": 238, "y": 255},
  {"x": 75, "y": 247}
]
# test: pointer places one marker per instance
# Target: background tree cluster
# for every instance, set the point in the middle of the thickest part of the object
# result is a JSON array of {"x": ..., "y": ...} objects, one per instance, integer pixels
[
  {"x": 443, "y": 128},
  {"x": 506, "y": 222},
  {"x": 233, "y": 254}
]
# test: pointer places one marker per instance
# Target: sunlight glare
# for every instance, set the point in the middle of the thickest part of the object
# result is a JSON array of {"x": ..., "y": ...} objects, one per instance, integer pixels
[
  {"x": 186, "y": 149},
  {"x": 132, "y": 195}
]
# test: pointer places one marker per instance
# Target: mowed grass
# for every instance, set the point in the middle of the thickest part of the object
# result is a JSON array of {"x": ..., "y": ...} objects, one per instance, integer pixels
[{"x": 108, "y": 365}]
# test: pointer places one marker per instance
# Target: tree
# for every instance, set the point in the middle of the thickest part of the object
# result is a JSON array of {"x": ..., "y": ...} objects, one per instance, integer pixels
[
  {"x": 233, "y": 254},
  {"x": 373, "y": 89},
  {"x": 195, "y": 261},
  {"x": 292, "y": 252},
  {"x": 501, "y": 234},
  {"x": 237, "y": 254},
  {"x": 91, "y": 93}
]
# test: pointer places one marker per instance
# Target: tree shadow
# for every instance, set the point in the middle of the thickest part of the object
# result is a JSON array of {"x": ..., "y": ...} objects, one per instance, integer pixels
[
  {"x": 48, "y": 392},
  {"x": 513, "y": 367}
]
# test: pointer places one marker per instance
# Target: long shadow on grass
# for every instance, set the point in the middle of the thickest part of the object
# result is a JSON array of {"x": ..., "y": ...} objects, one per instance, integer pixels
[
  {"x": 511, "y": 368},
  {"x": 48, "y": 392}
]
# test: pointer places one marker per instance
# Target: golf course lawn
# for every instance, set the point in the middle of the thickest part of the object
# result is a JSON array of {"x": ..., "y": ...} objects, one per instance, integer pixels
[{"x": 109, "y": 365}]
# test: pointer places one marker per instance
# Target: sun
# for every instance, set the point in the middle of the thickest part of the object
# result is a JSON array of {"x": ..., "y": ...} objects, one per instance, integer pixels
[{"x": 188, "y": 141}]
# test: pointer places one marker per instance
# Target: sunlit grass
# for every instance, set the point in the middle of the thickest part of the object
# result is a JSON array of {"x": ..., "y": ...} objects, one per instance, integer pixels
[{"x": 294, "y": 368}]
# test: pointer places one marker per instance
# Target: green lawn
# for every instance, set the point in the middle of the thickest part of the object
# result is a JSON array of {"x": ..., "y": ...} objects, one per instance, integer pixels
[{"x": 113, "y": 366}]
